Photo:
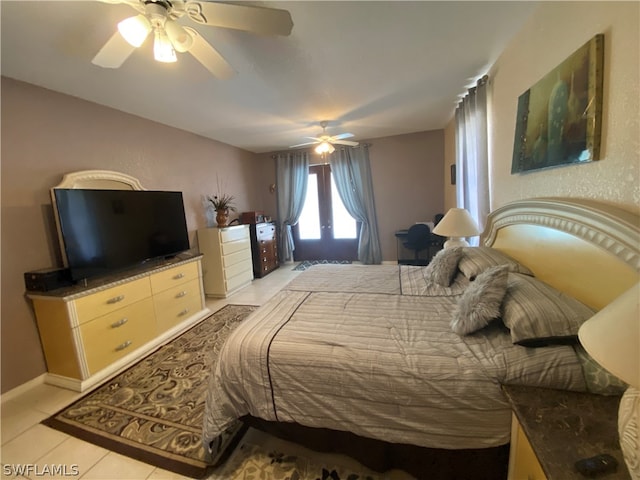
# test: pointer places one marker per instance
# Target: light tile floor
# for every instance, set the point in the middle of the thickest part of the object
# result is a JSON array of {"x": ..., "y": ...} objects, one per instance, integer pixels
[{"x": 26, "y": 443}]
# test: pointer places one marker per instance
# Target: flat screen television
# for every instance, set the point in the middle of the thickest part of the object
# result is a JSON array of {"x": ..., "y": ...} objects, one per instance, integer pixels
[{"x": 105, "y": 231}]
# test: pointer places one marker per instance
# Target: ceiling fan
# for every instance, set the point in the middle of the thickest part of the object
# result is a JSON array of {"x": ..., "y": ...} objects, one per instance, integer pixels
[
  {"x": 325, "y": 142},
  {"x": 159, "y": 17}
]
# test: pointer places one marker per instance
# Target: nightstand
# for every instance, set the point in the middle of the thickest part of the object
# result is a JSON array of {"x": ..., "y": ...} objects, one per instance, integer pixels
[{"x": 552, "y": 429}]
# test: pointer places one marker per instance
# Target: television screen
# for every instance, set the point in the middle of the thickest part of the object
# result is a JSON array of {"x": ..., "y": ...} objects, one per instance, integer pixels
[{"x": 104, "y": 231}]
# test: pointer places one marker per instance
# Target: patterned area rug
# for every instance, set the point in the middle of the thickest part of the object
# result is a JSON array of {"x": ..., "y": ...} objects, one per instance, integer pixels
[
  {"x": 153, "y": 411},
  {"x": 253, "y": 462},
  {"x": 305, "y": 264}
]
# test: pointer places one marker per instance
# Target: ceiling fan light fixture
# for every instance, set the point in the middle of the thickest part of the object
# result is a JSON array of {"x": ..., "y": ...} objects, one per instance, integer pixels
[
  {"x": 325, "y": 147},
  {"x": 162, "y": 49},
  {"x": 134, "y": 30},
  {"x": 179, "y": 36}
]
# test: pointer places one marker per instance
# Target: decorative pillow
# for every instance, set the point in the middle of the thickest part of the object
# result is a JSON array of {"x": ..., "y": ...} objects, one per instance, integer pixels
[
  {"x": 597, "y": 378},
  {"x": 539, "y": 315},
  {"x": 480, "y": 302},
  {"x": 476, "y": 260},
  {"x": 443, "y": 266}
]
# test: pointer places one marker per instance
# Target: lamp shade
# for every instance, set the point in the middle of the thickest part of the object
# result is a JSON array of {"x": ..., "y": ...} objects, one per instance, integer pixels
[
  {"x": 180, "y": 38},
  {"x": 612, "y": 336},
  {"x": 162, "y": 49},
  {"x": 325, "y": 147},
  {"x": 457, "y": 223},
  {"x": 134, "y": 29}
]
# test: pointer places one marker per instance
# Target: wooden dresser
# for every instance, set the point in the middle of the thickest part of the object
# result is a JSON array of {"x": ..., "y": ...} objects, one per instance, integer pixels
[
  {"x": 264, "y": 248},
  {"x": 91, "y": 332},
  {"x": 227, "y": 259}
]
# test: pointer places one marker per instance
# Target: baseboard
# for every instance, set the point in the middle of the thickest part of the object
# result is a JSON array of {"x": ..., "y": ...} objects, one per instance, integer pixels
[{"x": 20, "y": 389}]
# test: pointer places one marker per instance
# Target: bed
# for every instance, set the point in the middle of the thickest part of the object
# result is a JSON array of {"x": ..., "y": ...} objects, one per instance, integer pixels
[{"x": 411, "y": 360}]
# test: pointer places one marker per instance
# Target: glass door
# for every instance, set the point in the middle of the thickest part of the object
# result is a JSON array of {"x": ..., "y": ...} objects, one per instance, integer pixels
[{"x": 325, "y": 230}]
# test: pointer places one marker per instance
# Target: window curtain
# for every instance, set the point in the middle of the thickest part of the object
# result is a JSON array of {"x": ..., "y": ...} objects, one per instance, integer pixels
[
  {"x": 352, "y": 174},
  {"x": 472, "y": 154},
  {"x": 292, "y": 173}
]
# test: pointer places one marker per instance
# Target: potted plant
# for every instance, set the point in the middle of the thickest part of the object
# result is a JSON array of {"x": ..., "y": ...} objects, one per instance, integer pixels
[{"x": 222, "y": 204}]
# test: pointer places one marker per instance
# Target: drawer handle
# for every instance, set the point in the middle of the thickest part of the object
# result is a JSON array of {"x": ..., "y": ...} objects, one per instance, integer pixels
[
  {"x": 183, "y": 312},
  {"x": 119, "y": 323},
  {"x": 178, "y": 276},
  {"x": 117, "y": 299},
  {"x": 122, "y": 346},
  {"x": 181, "y": 294}
]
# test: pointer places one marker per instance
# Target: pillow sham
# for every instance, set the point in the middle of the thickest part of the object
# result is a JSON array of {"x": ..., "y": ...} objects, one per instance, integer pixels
[
  {"x": 476, "y": 260},
  {"x": 480, "y": 302},
  {"x": 443, "y": 266},
  {"x": 539, "y": 315},
  {"x": 597, "y": 378}
]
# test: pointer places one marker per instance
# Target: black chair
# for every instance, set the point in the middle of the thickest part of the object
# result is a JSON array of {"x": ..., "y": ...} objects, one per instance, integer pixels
[
  {"x": 418, "y": 239},
  {"x": 436, "y": 240}
]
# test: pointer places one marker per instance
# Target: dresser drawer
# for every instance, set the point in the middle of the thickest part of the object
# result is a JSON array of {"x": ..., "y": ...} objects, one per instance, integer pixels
[
  {"x": 238, "y": 268},
  {"x": 267, "y": 232},
  {"x": 174, "y": 276},
  {"x": 177, "y": 304},
  {"x": 235, "y": 258},
  {"x": 233, "y": 247},
  {"x": 112, "y": 299},
  {"x": 243, "y": 277},
  {"x": 234, "y": 233},
  {"x": 112, "y": 336}
]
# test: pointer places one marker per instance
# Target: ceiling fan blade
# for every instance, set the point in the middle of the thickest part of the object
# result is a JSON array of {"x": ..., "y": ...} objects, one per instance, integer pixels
[
  {"x": 342, "y": 136},
  {"x": 133, "y": 3},
  {"x": 267, "y": 21},
  {"x": 114, "y": 52},
  {"x": 303, "y": 144},
  {"x": 209, "y": 56},
  {"x": 318, "y": 140},
  {"x": 345, "y": 142}
]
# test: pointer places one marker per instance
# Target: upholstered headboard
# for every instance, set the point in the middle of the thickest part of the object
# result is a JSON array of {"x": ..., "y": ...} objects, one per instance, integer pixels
[{"x": 586, "y": 249}]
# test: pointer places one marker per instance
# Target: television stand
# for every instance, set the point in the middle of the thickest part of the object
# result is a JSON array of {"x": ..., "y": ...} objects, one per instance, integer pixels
[{"x": 90, "y": 333}]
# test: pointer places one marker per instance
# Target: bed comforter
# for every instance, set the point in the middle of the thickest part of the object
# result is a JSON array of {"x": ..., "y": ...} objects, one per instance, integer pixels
[{"x": 364, "y": 357}]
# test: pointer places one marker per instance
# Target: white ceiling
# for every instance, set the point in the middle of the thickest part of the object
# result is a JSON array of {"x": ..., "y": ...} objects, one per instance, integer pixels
[{"x": 371, "y": 68}]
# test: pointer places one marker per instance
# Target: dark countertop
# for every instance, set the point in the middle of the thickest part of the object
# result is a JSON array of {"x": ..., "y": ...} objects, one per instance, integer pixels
[
  {"x": 107, "y": 281},
  {"x": 564, "y": 427}
]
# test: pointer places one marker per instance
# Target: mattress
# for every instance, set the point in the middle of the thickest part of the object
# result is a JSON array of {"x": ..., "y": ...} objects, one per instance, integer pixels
[{"x": 365, "y": 359}]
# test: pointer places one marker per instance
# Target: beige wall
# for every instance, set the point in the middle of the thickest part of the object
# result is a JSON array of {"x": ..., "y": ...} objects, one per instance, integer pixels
[
  {"x": 407, "y": 181},
  {"x": 449, "y": 159},
  {"x": 554, "y": 32},
  {"x": 46, "y": 134},
  {"x": 407, "y": 174}
]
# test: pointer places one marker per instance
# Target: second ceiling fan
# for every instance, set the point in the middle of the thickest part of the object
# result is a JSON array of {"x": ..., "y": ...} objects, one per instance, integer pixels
[{"x": 325, "y": 142}]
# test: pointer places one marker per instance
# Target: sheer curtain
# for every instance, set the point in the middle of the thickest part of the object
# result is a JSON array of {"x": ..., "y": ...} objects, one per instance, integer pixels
[
  {"x": 352, "y": 174},
  {"x": 472, "y": 154},
  {"x": 292, "y": 173}
]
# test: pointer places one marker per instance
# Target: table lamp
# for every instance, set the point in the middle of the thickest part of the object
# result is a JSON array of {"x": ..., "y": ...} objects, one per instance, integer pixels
[
  {"x": 612, "y": 338},
  {"x": 456, "y": 225}
]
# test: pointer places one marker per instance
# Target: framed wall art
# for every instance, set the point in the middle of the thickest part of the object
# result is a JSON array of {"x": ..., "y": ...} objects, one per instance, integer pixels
[{"x": 560, "y": 117}]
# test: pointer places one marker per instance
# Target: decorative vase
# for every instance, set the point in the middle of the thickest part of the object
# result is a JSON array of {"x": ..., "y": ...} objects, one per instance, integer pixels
[{"x": 222, "y": 216}]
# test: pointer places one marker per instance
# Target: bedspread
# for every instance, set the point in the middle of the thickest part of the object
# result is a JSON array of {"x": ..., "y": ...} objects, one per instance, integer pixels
[
  {"x": 384, "y": 279},
  {"x": 380, "y": 365}
]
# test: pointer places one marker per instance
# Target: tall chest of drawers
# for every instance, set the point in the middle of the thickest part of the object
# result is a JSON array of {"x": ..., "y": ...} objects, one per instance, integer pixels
[
  {"x": 227, "y": 263},
  {"x": 90, "y": 333},
  {"x": 264, "y": 248}
]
